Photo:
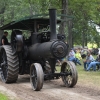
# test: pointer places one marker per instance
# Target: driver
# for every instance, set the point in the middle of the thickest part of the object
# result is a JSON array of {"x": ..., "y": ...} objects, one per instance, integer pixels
[{"x": 4, "y": 40}]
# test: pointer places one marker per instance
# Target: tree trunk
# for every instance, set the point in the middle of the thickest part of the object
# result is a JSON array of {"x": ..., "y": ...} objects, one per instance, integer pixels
[
  {"x": 83, "y": 39},
  {"x": 2, "y": 18},
  {"x": 98, "y": 44},
  {"x": 2, "y": 21},
  {"x": 1, "y": 34},
  {"x": 12, "y": 14},
  {"x": 31, "y": 8},
  {"x": 66, "y": 24},
  {"x": 2, "y": 10},
  {"x": 64, "y": 11},
  {"x": 70, "y": 34}
]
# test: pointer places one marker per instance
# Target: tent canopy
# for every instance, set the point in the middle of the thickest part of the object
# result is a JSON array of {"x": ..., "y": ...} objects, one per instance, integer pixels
[{"x": 28, "y": 23}]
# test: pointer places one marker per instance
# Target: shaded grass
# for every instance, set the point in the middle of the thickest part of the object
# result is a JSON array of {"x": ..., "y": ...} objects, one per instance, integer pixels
[
  {"x": 3, "y": 97},
  {"x": 88, "y": 77}
]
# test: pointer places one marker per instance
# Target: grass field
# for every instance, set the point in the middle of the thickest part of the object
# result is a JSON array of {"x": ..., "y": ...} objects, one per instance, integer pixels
[
  {"x": 87, "y": 77},
  {"x": 90, "y": 77},
  {"x": 3, "y": 97}
]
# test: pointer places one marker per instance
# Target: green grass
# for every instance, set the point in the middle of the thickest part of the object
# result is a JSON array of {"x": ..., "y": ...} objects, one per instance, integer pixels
[
  {"x": 3, "y": 97},
  {"x": 87, "y": 77}
]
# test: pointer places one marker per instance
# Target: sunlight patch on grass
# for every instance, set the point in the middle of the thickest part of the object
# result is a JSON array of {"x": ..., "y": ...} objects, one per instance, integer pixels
[{"x": 3, "y": 97}]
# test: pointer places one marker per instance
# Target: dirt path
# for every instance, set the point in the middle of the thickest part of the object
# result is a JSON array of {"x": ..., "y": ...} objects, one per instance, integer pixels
[{"x": 52, "y": 90}]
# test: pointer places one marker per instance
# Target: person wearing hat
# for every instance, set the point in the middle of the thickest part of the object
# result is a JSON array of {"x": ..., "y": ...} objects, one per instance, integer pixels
[
  {"x": 89, "y": 59},
  {"x": 94, "y": 63}
]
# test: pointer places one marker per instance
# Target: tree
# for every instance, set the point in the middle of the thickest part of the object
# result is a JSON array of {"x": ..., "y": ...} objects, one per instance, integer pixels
[
  {"x": 84, "y": 12},
  {"x": 78, "y": 30}
]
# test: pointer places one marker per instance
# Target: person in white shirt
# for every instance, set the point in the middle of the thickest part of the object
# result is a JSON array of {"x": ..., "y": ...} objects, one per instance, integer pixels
[
  {"x": 71, "y": 56},
  {"x": 89, "y": 59}
]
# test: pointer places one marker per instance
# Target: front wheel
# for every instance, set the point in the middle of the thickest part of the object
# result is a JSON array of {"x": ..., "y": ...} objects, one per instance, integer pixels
[
  {"x": 36, "y": 76},
  {"x": 69, "y": 68}
]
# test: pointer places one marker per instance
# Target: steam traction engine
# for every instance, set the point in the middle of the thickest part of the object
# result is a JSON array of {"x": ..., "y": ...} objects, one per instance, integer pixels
[{"x": 34, "y": 55}]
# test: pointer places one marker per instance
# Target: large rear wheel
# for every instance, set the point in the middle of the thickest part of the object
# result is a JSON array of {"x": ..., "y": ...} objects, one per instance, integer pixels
[
  {"x": 9, "y": 64},
  {"x": 36, "y": 76}
]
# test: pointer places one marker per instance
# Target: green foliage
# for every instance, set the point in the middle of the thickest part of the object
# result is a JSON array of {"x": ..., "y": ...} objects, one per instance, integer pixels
[
  {"x": 17, "y": 9},
  {"x": 86, "y": 15}
]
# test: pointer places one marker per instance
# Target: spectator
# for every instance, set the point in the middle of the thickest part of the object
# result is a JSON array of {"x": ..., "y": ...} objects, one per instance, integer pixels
[
  {"x": 67, "y": 44},
  {"x": 78, "y": 57},
  {"x": 93, "y": 64},
  {"x": 84, "y": 53},
  {"x": 4, "y": 40},
  {"x": 71, "y": 56},
  {"x": 89, "y": 59}
]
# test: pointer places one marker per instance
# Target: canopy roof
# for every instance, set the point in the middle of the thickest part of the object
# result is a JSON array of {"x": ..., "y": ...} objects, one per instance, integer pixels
[{"x": 28, "y": 23}]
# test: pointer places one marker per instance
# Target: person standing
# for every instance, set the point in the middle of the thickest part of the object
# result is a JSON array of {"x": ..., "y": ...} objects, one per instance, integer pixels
[{"x": 4, "y": 40}]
